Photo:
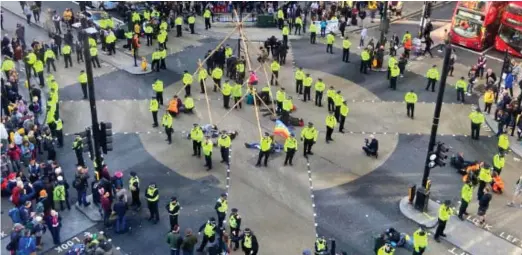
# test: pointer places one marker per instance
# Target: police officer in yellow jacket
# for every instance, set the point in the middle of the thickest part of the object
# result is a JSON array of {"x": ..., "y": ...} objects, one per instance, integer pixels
[
  {"x": 49, "y": 58},
  {"x": 395, "y": 71},
  {"x": 227, "y": 92},
  {"x": 365, "y": 61},
  {"x": 346, "y": 49},
  {"x": 134, "y": 187},
  {"x": 309, "y": 136},
  {"x": 77, "y": 147},
  {"x": 166, "y": 121},
  {"x": 197, "y": 136},
  {"x": 207, "y": 15},
  {"x": 461, "y": 87},
  {"x": 264, "y": 151},
  {"x": 173, "y": 211},
  {"x": 330, "y": 39},
  {"x": 503, "y": 142},
  {"x": 154, "y": 108},
  {"x": 178, "y": 22},
  {"x": 321, "y": 246},
  {"x": 290, "y": 148},
  {"x": 466, "y": 194},
  {"x": 209, "y": 229},
  {"x": 420, "y": 241},
  {"x": 152, "y": 196},
  {"x": 234, "y": 221},
  {"x": 343, "y": 114},
  {"x": 477, "y": 118},
  {"x": 221, "y": 208},
  {"x": 433, "y": 77},
  {"x": 445, "y": 213},
  {"x": 313, "y": 33},
  {"x": 82, "y": 79},
  {"x": 207, "y": 147},
  {"x": 484, "y": 179},
  {"x": 498, "y": 162},
  {"x": 187, "y": 82},
  {"x": 411, "y": 99},
  {"x": 285, "y": 33},
  {"x": 66, "y": 51},
  {"x": 386, "y": 249},
  {"x": 224, "y": 143},
  {"x": 331, "y": 122},
  {"x": 249, "y": 242},
  {"x": 192, "y": 22},
  {"x": 163, "y": 58}
]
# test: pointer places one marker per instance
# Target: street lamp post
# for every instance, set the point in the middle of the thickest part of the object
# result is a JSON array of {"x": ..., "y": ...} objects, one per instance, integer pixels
[
  {"x": 436, "y": 115},
  {"x": 384, "y": 24},
  {"x": 92, "y": 99}
]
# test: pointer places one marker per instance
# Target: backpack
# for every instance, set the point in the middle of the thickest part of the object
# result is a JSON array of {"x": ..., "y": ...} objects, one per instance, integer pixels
[
  {"x": 118, "y": 183},
  {"x": 13, "y": 244},
  {"x": 14, "y": 213},
  {"x": 77, "y": 181},
  {"x": 105, "y": 246},
  {"x": 39, "y": 207}
]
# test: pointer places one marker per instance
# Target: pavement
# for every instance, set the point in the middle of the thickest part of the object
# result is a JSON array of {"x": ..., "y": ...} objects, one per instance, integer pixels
[{"x": 345, "y": 195}]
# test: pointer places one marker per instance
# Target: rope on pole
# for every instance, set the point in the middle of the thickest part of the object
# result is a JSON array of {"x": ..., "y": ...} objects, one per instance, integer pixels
[
  {"x": 209, "y": 55},
  {"x": 312, "y": 195}
]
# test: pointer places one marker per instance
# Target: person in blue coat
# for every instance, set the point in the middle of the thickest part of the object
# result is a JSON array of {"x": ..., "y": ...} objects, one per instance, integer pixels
[
  {"x": 26, "y": 244},
  {"x": 508, "y": 83}
]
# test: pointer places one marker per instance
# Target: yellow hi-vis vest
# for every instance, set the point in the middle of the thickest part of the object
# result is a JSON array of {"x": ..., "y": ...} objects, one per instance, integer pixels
[
  {"x": 420, "y": 241},
  {"x": 133, "y": 180},
  {"x": 150, "y": 193},
  {"x": 209, "y": 230},
  {"x": 187, "y": 79},
  {"x": 321, "y": 245},
  {"x": 247, "y": 242},
  {"x": 410, "y": 98},
  {"x": 224, "y": 205}
]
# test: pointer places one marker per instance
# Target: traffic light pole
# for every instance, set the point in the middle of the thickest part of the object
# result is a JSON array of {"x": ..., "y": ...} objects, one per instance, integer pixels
[
  {"x": 436, "y": 115},
  {"x": 502, "y": 70},
  {"x": 92, "y": 98},
  {"x": 423, "y": 18},
  {"x": 384, "y": 23}
]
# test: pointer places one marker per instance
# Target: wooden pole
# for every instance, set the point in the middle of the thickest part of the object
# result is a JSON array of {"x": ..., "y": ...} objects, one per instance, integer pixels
[
  {"x": 206, "y": 97},
  {"x": 270, "y": 110},
  {"x": 229, "y": 111}
]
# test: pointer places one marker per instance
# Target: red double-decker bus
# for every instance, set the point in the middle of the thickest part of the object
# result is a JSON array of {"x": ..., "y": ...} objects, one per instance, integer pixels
[
  {"x": 510, "y": 33},
  {"x": 475, "y": 23}
]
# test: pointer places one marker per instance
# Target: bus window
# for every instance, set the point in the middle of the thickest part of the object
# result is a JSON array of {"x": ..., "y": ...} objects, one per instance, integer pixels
[
  {"x": 511, "y": 36},
  {"x": 465, "y": 28},
  {"x": 478, "y": 6},
  {"x": 517, "y": 10}
]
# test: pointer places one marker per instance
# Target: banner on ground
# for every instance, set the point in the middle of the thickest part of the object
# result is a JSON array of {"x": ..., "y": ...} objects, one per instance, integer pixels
[{"x": 331, "y": 26}]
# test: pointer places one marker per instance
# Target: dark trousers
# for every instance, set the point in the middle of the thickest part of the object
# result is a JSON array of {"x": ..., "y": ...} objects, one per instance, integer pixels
[
  {"x": 279, "y": 108},
  {"x": 112, "y": 48},
  {"x": 79, "y": 56},
  {"x": 59, "y": 136},
  {"x": 196, "y": 148},
  {"x": 238, "y": 105},
  {"x": 331, "y": 104},
  {"x": 187, "y": 89},
  {"x": 297, "y": 29},
  {"x": 480, "y": 191},
  {"x": 169, "y": 131},
  {"x": 307, "y": 91},
  {"x": 285, "y": 40},
  {"x": 217, "y": 84},
  {"x": 410, "y": 109},
  {"x": 289, "y": 156},
  {"x": 173, "y": 220},
  {"x": 342, "y": 119},
  {"x": 346, "y": 55},
  {"x": 329, "y": 48},
  {"x": 299, "y": 86},
  {"x": 318, "y": 98},
  {"x": 280, "y": 23},
  {"x": 205, "y": 240},
  {"x": 136, "y": 198},
  {"x": 191, "y": 26},
  {"x": 420, "y": 252},
  {"x": 363, "y": 68},
  {"x": 475, "y": 131},
  {"x": 95, "y": 61},
  {"x": 162, "y": 64},
  {"x": 440, "y": 228},
  {"x": 275, "y": 74},
  {"x": 463, "y": 207},
  {"x": 84, "y": 90},
  {"x": 393, "y": 83},
  {"x": 460, "y": 95},
  {"x": 313, "y": 36},
  {"x": 226, "y": 101},
  {"x": 224, "y": 154},
  {"x": 234, "y": 236},
  {"x": 149, "y": 39},
  {"x": 337, "y": 112},
  {"x": 55, "y": 233},
  {"x": 207, "y": 23},
  {"x": 79, "y": 157},
  {"x": 431, "y": 82},
  {"x": 68, "y": 60},
  {"x": 159, "y": 97},
  {"x": 308, "y": 143},
  {"x": 262, "y": 154},
  {"x": 329, "y": 132},
  {"x": 155, "y": 118},
  {"x": 202, "y": 86},
  {"x": 153, "y": 210},
  {"x": 41, "y": 78},
  {"x": 208, "y": 161},
  {"x": 178, "y": 31},
  {"x": 155, "y": 65},
  {"x": 221, "y": 217}
]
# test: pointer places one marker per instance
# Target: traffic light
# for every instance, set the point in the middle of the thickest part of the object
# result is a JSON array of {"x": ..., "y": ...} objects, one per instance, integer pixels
[
  {"x": 438, "y": 157},
  {"x": 106, "y": 136},
  {"x": 87, "y": 142}
]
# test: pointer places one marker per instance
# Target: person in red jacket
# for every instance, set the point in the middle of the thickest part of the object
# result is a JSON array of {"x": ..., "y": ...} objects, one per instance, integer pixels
[
  {"x": 15, "y": 154},
  {"x": 16, "y": 192}
]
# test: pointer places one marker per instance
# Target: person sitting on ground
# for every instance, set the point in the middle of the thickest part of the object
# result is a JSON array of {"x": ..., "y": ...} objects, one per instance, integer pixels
[
  {"x": 371, "y": 146},
  {"x": 498, "y": 184},
  {"x": 458, "y": 162}
]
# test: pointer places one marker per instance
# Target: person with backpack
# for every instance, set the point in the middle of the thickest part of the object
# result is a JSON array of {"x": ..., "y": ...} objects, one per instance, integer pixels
[
  {"x": 59, "y": 196},
  {"x": 25, "y": 212},
  {"x": 15, "y": 236},
  {"x": 38, "y": 230},
  {"x": 26, "y": 244},
  {"x": 80, "y": 184},
  {"x": 14, "y": 214}
]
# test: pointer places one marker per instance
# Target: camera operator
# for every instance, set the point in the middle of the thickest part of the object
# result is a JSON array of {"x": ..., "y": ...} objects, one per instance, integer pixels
[{"x": 371, "y": 146}]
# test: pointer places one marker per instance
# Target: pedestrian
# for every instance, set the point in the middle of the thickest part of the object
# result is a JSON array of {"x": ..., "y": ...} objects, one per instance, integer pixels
[
  {"x": 411, "y": 99},
  {"x": 249, "y": 242},
  {"x": 59, "y": 197},
  {"x": 331, "y": 122},
  {"x": 166, "y": 121},
  {"x": 206, "y": 15},
  {"x": 433, "y": 76},
  {"x": 39, "y": 230},
  {"x": 330, "y": 39},
  {"x": 285, "y": 33},
  {"x": 106, "y": 208},
  {"x": 173, "y": 211},
  {"x": 234, "y": 221},
  {"x": 477, "y": 118},
  {"x": 309, "y": 137},
  {"x": 217, "y": 73},
  {"x": 226, "y": 90},
  {"x": 365, "y": 61},
  {"x": 152, "y": 196},
  {"x": 265, "y": 148},
  {"x": 174, "y": 240},
  {"x": 80, "y": 184},
  {"x": 189, "y": 242},
  {"x": 313, "y": 33},
  {"x": 481, "y": 65},
  {"x": 343, "y": 114},
  {"x": 54, "y": 224},
  {"x": 78, "y": 47},
  {"x": 120, "y": 208},
  {"x": 484, "y": 205},
  {"x": 207, "y": 147},
  {"x": 307, "y": 84},
  {"x": 290, "y": 147},
  {"x": 94, "y": 57},
  {"x": 364, "y": 33},
  {"x": 445, "y": 213},
  {"x": 517, "y": 193},
  {"x": 28, "y": 13},
  {"x": 466, "y": 194},
  {"x": 209, "y": 233},
  {"x": 489, "y": 98},
  {"x": 275, "y": 72},
  {"x": 428, "y": 41},
  {"x": 420, "y": 241},
  {"x": 346, "y": 49},
  {"x": 224, "y": 143}
]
